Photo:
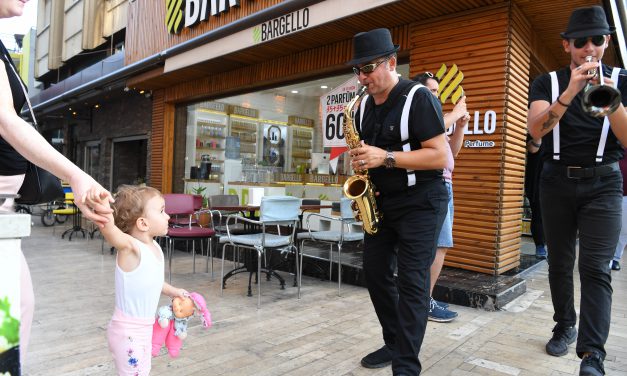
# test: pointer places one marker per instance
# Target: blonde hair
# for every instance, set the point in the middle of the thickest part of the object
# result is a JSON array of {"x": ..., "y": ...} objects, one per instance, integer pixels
[{"x": 129, "y": 205}]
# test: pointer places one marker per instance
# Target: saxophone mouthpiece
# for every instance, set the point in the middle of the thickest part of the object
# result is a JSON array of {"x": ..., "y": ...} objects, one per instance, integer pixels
[{"x": 361, "y": 90}]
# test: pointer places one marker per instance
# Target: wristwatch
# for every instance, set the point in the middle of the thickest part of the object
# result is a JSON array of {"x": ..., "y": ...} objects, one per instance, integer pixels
[{"x": 390, "y": 161}]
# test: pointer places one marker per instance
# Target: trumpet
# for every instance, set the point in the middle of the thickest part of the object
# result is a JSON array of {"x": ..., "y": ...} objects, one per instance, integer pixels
[{"x": 599, "y": 100}]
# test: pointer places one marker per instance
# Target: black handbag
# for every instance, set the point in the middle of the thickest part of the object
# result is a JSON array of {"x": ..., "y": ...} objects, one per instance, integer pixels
[{"x": 39, "y": 186}]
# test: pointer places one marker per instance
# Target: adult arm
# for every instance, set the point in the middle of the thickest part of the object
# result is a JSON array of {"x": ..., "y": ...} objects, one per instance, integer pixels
[
  {"x": 431, "y": 156},
  {"x": 30, "y": 144},
  {"x": 457, "y": 138},
  {"x": 533, "y": 145},
  {"x": 458, "y": 112}
]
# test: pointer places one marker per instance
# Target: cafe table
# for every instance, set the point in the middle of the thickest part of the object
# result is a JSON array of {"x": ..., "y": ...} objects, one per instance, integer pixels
[{"x": 249, "y": 211}]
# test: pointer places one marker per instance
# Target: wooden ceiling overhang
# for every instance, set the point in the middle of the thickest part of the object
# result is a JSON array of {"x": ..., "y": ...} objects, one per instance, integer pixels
[{"x": 547, "y": 19}]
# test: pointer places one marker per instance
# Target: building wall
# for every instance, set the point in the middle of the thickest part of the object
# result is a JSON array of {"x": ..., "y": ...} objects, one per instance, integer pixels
[
  {"x": 117, "y": 118},
  {"x": 116, "y": 16},
  {"x": 147, "y": 35},
  {"x": 67, "y": 28},
  {"x": 72, "y": 28}
]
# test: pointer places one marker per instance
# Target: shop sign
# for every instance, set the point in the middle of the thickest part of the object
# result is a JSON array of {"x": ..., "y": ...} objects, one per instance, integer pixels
[
  {"x": 476, "y": 128},
  {"x": 478, "y": 144},
  {"x": 281, "y": 26},
  {"x": 333, "y": 105},
  {"x": 244, "y": 111},
  {"x": 194, "y": 11},
  {"x": 215, "y": 106},
  {"x": 297, "y": 120}
]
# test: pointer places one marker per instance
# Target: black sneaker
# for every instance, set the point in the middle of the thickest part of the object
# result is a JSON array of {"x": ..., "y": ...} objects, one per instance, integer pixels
[
  {"x": 591, "y": 365},
  {"x": 378, "y": 359},
  {"x": 562, "y": 337},
  {"x": 615, "y": 265}
]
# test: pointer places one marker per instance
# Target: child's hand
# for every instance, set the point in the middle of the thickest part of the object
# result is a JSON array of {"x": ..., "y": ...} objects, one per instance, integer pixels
[{"x": 181, "y": 293}]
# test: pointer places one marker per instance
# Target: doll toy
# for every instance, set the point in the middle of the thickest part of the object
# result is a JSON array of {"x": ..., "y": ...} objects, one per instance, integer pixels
[{"x": 170, "y": 325}]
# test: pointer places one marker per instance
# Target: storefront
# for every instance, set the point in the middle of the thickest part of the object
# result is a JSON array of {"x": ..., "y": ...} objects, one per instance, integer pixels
[{"x": 253, "y": 72}]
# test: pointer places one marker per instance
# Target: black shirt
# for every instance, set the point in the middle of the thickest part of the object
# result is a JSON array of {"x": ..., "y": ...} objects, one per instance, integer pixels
[
  {"x": 579, "y": 133},
  {"x": 425, "y": 122},
  {"x": 11, "y": 162}
]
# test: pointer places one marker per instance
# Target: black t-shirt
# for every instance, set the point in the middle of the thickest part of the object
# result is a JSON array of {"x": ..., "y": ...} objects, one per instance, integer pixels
[
  {"x": 579, "y": 133},
  {"x": 11, "y": 162},
  {"x": 425, "y": 122}
]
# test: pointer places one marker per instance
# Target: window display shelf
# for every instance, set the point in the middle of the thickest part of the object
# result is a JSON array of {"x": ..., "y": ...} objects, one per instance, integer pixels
[
  {"x": 211, "y": 137},
  {"x": 301, "y": 147},
  {"x": 247, "y": 130},
  {"x": 207, "y": 132},
  {"x": 209, "y": 148}
]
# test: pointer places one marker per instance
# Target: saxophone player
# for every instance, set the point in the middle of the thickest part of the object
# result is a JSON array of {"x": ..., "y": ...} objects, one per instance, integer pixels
[{"x": 404, "y": 157}]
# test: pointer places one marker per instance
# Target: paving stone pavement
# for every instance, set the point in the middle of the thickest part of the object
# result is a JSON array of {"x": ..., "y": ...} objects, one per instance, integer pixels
[{"x": 320, "y": 334}]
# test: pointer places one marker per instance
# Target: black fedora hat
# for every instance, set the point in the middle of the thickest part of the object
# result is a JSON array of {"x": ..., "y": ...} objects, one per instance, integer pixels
[
  {"x": 372, "y": 44},
  {"x": 587, "y": 22}
]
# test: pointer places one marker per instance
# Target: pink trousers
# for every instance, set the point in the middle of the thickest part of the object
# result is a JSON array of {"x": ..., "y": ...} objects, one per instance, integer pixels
[
  {"x": 130, "y": 342},
  {"x": 11, "y": 185}
]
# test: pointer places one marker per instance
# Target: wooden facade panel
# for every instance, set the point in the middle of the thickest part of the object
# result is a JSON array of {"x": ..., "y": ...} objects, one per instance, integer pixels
[
  {"x": 480, "y": 178},
  {"x": 156, "y": 141}
]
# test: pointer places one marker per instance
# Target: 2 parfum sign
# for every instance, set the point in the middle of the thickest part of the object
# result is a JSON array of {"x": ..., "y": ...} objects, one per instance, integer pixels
[{"x": 187, "y": 13}]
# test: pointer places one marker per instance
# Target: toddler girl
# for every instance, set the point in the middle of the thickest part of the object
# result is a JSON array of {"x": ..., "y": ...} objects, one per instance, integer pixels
[{"x": 139, "y": 275}]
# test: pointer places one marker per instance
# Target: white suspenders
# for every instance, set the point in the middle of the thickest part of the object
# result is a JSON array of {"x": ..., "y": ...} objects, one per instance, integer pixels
[
  {"x": 411, "y": 177},
  {"x": 555, "y": 92}
]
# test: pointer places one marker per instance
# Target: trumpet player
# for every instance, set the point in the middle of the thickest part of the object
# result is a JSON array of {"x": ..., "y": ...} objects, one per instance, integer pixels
[
  {"x": 580, "y": 183},
  {"x": 410, "y": 195}
]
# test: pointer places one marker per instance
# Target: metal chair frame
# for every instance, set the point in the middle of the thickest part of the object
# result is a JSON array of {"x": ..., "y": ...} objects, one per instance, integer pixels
[
  {"x": 332, "y": 238},
  {"x": 191, "y": 224},
  {"x": 262, "y": 241}
]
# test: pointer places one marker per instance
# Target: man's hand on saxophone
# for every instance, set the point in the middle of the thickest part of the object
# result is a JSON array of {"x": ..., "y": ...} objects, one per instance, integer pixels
[{"x": 367, "y": 156}]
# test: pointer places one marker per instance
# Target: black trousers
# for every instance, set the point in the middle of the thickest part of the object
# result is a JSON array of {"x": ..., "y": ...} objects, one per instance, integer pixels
[
  {"x": 537, "y": 231},
  {"x": 591, "y": 206},
  {"x": 411, "y": 221}
]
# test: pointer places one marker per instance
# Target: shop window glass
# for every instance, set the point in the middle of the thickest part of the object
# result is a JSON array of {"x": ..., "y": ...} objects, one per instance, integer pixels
[{"x": 252, "y": 136}]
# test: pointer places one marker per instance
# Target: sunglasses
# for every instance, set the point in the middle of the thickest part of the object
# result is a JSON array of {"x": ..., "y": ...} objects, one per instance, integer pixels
[
  {"x": 366, "y": 69},
  {"x": 597, "y": 40},
  {"x": 428, "y": 75}
]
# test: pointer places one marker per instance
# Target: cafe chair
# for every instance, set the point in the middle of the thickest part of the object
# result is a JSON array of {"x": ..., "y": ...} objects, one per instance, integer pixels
[
  {"x": 182, "y": 210},
  {"x": 308, "y": 201},
  {"x": 331, "y": 237},
  {"x": 221, "y": 201},
  {"x": 276, "y": 212},
  {"x": 70, "y": 209}
]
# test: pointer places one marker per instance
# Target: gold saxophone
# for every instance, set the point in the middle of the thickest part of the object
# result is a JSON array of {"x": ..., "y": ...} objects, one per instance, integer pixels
[{"x": 358, "y": 187}]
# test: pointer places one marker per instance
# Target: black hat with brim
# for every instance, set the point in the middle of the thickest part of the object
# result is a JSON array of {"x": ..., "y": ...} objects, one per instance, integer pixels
[
  {"x": 587, "y": 22},
  {"x": 372, "y": 44}
]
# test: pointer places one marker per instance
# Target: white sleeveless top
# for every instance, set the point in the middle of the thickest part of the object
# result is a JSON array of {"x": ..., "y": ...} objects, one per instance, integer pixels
[{"x": 137, "y": 292}]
